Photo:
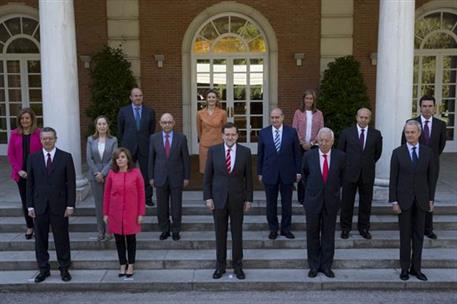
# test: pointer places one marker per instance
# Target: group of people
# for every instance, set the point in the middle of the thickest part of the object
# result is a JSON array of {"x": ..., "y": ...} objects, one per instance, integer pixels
[{"x": 301, "y": 155}]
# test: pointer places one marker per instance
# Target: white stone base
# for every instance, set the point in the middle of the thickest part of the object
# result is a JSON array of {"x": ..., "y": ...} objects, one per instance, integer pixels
[{"x": 82, "y": 189}]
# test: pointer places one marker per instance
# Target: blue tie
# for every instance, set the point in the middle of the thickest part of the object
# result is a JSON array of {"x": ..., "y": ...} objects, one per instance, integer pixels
[
  {"x": 414, "y": 157},
  {"x": 277, "y": 140},
  {"x": 137, "y": 117}
]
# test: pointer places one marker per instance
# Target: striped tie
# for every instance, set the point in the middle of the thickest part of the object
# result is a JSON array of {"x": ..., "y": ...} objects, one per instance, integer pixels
[
  {"x": 228, "y": 161},
  {"x": 277, "y": 140}
]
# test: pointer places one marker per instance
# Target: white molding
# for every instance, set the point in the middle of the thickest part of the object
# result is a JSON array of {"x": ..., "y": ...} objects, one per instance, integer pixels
[
  {"x": 435, "y": 6},
  {"x": 18, "y": 9}
]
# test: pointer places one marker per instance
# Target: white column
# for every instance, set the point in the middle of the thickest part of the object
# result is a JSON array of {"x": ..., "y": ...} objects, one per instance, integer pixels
[
  {"x": 59, "y": 74},
  {"x": 394, "y": 79}
]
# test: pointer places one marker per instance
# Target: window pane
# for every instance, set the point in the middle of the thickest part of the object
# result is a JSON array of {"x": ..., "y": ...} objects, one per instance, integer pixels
[
  {"x": 14, "y": 25},
  {"x": 2, "y": 109},
  {"x": 254, "y": 136},
  {"x": 256, "y": 93},
  {"x": 222, "y": 25},
  {"x": 256, "y": 122},
  {"x": 35, "y": 95},
  {"x": 221, "y": 90},
  {"x": 3, "y": 137},
  {"x": 2, "y": 123},
  {"x": 440, "y": 41},
  {"x": 28, "y": 26},
  {"x": 219, "y": 65},
  {"x": 449, "y": 76},
  {"x": 12, "y": 67},
  {"x": 449, "y": 62},
  {"x": 240, "y": 65},
  {"x": 449, "y": 91},
  {"x": 428, "y": 63},
  {"x": 428, "y": 77},
  {"x": 4, "y": 35},
  {"x": 2, "y": 95},
  {"x": 256, "y": 79},
  {"x": 203, "y": 79},
  {"x": 449, "y": 21},
  {"x": 209, "y": 32},
  {"x": 248, "y": 31},
  {"x": 219, "y": 78},
  {"x": 33, "y": 66},
  {"x": 201, "y": 46},
  {"x": 240, "y": 108},
  {"x": 450, "y": 134},
  {"x": 256, "y": 108},
  {"x": 256, "y": 65},
  {"x": 239, "y": 92},
  {"x": 240, "y": 122},
  {"x": 14, "y": 81},
  {"x": 13, "y": 123},
  {"x": 37, "y": 108},
  {"x": 15, "y": 108},
  {"x": 447, "y": 105},
  {"x": 229, "y": 45},
  {"x": 22, "y": 46},
  {"x": 240, "y": 78},
  {"x": 257, "y": 45},
  {"x": 15, "y": 95},
  {"x": 35, "y": 81}
]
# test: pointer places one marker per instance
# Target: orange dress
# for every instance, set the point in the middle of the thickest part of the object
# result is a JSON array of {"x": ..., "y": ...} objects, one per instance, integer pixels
[{"x": 209, "y": 131}]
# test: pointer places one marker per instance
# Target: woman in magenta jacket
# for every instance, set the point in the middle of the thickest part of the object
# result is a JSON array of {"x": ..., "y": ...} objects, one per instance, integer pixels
[
  {"x": 24, "y": 141},
  {"x": 123, "y": 207}
]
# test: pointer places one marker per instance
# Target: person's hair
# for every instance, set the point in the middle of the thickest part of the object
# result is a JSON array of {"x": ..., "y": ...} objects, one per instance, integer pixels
[
  {"x": 325, "y": 130},
  {"x": 116, "y": 153},
  {"x": 413, "y": 122},
  {"x": 96, "y": 135},
  {"x": 131, "y": 90},
  {"x": 229, "y": 125},
  {"x": 49, "y": 129},
  {"x": 218, "y": 105},
  {"x": 301, "y": 105},
  {"x": 32, "y": 116},
  {"x": 427, "y": 97}
]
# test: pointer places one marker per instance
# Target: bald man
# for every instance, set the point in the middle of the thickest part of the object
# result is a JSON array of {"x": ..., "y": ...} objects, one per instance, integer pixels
[
  {"x": 363, "y": 147},
  {"x": 278, "y": 168},
  {"x": 169, "y": 173}
]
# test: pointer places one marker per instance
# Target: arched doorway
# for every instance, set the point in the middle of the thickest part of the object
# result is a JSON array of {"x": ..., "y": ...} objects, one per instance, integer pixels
[
  {"x": 20, "y": 72},
  {"x": 435, "y": 66}
]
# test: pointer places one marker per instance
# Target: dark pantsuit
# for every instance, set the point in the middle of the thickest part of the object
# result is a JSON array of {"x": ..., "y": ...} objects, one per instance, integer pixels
[
  {"x": 411, "y": 222},
  {"x": 272, "y": 206},
  {"x": 300, "y": 185},
  {"x": 22, "y": 185},
  {"x": 320, "y": 239},
  {"x": 164, "y": 193},
  {"x": 234, "y": 211},
  {"x": 429, "y": 215},
  {"x": 126, "y": 243},
  {"x": 143, "y": 162},
  {"x": 347, "y": 207},
  {"x": 97, "y": 191},
  {"x": 59, "y": 226}
]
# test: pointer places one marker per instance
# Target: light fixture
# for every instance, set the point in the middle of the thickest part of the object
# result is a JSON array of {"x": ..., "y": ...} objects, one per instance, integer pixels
[
  {"x": 299, "y": 58},
  {"x": 160, "y": 59},
  {"x": 86, "y": 60},
  {"x": 374, "y": 58}
]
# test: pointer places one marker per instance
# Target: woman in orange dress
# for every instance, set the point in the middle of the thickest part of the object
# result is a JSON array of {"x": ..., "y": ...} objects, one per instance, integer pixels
[{"x": 210, "y": 120}]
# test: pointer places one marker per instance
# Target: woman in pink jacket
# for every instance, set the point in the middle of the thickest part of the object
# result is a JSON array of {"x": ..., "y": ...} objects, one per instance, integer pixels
[
  {"x": 123, "y": 207},
  {"x": 24, "y": 141},
  {"x": 308, "y": 120}
]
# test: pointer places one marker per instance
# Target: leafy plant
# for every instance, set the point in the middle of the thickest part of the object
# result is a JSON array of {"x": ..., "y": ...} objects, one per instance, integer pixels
[{"x": 112, "y": 81}]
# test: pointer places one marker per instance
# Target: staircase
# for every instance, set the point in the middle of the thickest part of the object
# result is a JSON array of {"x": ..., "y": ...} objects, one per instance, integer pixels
[{"x": 189, "y": 263}]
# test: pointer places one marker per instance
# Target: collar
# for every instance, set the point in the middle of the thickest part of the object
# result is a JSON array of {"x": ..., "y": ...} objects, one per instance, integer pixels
[
  {"x": 359, "y": 128},
  {"x": 423, "y": 119},
  {"x": 134, "y": 106},
  {"x": 280, "y": 128},
  {"x": 169, "y": 133},
  {"x": 233, "y": 148},
  {"x": 52, "y": 152},
  {"x": 410, "y": 146},
  {"x": 328, "y": 153}
]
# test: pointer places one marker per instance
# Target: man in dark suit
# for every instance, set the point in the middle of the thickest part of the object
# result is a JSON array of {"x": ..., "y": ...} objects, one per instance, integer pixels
[
  {"x": 433, "y": 135},
  {"x": 363, "y": 147},
  {"x": 169, "y": 172},
  {"x": 51, "y": 194},
  {"x": 136, "y": 123},
  {"x": 228, "y": 192},
  {"x": 411, "y": 192},
  {"x": 278, "y": 167},
  {"x": 323, "y": 171}
]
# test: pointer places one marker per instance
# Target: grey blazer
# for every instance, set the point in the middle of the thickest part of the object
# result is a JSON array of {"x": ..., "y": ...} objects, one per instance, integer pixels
[{"x": 95, "y": 163}]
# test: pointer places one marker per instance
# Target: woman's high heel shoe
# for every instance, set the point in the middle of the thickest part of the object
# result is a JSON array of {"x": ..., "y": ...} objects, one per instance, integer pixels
[
  {"x": 129, "y": 275},
  {"x": 122, "y": 273}
]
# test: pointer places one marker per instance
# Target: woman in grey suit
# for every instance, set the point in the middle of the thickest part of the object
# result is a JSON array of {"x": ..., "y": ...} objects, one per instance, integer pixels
[{"x": 99, "y": 150}]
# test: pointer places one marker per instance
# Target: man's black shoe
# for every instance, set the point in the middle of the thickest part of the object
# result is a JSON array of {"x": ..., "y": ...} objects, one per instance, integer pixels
[
  {"x": 419, "y": 275},
  {"x": 288, "y": 234},
  {"x": 432, "y": 236},
  {"x": 273, "y": 235},
  {"x": 328, "y": 273},
  {"x": 65, "y": 275},
  {"x": 218, "y": 273},
  {"x": 344, "y": 234},
  {"x": 42, "y": 276},
  {"x": 312, "y": 273},
  {"x": 149, "y": 203},
  {"x": 240, "y": 274},
  {"x": 175, "y": 236},
  {"x": 365, "y": 234},
  {"x": 404, "y": 275},
  {"x": 164, "y": 235}
]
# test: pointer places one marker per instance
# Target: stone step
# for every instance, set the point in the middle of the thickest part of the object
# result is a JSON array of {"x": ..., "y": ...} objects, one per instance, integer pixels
[
  {"x": 253, "y": 259},
  {"x": 201, "y": 280},
  {"x": 206, "y": 240},
  {"x": 197, "y": 208},
  {"x": 205, "y": 223}
]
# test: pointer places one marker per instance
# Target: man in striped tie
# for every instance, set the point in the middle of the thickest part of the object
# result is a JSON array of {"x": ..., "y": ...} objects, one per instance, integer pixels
[
  {"x": 278, "y": 167},
  {"x": 227, "y": 192}
]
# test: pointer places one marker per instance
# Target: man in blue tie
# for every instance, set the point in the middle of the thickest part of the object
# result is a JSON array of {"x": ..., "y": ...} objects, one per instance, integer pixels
[
  {"x": 136, "y": 123},
  {"x": 278, "y": 168},
  {"x": 411, "y": 193}
]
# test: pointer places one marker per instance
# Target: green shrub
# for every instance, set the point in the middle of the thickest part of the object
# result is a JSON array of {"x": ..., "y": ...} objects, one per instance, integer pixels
[{"x": 112, "y": 81}]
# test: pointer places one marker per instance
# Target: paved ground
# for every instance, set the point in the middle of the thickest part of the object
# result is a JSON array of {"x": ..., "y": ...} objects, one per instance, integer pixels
[{"x": 314, "y": 297}]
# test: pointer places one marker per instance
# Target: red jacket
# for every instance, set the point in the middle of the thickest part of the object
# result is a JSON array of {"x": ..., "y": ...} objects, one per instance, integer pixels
[
  {"x": 124, "y": 201},
  {"x": 15, "y": 150}
]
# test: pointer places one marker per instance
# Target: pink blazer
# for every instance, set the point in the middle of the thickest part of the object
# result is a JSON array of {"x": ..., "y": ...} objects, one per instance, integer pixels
[
  {"x": 15, "y": 150},
  {"x": 123, "y": 201},
  {"x": 299, "y": 123}
]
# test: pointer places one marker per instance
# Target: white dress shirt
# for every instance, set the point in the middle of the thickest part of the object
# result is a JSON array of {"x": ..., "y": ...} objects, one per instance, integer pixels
[
  {"x": 410, "y": 149},
  {"x": 321, "y": 159},
  {"x": 423, "y": 119},
  {"x": 359, "y": 130},
  {"x": 101, "y": 148},
  {"x": 309, "y": 125},
  {"x": 232, "y": 155}
]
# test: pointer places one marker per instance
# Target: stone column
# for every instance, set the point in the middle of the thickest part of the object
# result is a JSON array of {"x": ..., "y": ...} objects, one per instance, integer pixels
[
  {"x": 59, "y": 74},
  {"x": 394, "y": 79}
]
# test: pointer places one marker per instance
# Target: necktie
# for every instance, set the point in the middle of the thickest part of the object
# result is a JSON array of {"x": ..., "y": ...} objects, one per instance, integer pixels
[
  {"x": 228, "y": 161},
  {"x": 137, "y": 117},
  {"x": 362, "y": 138},
  {"x": 48, "y": 163},
  {"x": 325, "y": 168},
  {"x": 277, "y": 140},
  {"x": 426, "y": 132},
  {"x": 167, "y": 145},
  {"x": 415, "y": 159}
]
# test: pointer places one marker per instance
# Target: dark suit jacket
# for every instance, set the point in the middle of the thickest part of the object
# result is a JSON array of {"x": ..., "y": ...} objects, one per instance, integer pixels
[
  {"x": 360, "y": 162},
  {"x": 318, "y": 194},
  {"x": 219, "y": 185},
  {"x": 129, "y": 136},
  {"x": 409, "y": 182},
  {"x": 284, "y": 164},
  {"x": 437, "y": 137},
  {"x": 176, "y": 168},
  {"x": 55, "y": 191}
]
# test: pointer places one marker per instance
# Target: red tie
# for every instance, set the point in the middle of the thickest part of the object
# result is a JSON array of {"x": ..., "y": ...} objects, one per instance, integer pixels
[
  {"x": 228, "y": 161},
  {"x": 167, "y": 145},
  {"x": 325, "y": 168}
]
